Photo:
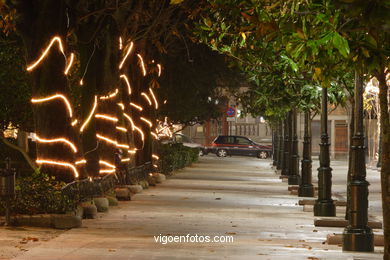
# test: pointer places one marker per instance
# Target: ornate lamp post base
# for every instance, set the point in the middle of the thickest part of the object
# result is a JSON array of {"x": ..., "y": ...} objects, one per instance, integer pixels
[
  {"x": 325, "y": 208},
  {"x": 293, "y": 180},
  {"x": 306, "y": 190},
  {"x": 358, "y": 239}
]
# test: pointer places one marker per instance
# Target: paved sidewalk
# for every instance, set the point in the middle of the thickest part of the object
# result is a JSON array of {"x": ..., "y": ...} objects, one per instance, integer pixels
[{"x": 234, "y": 196}]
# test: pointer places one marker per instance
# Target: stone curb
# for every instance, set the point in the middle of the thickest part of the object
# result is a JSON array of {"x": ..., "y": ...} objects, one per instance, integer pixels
[
  {"x": 337, "y": 239},
  {"x": 58, "y": 221}
]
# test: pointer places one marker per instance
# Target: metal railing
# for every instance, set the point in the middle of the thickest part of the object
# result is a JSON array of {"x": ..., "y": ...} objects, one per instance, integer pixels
[{"x": 82, "y": 190}]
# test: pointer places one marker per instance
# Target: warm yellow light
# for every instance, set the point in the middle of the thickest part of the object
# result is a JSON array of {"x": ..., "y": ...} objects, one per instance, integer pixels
[
  {"x": 155, "y": 157},
  {"x": 74, "y": 122},
  {"x": 67, "y": 103},
  {"x": 132, "y": 151},
  {"x": 136, "y": 106},
  {"x": 121, "y": 106},
  {"x": 146, "y": 97},
  {"x": 106, "y": 117},
  {"x": 70, "y": 64},
  {"x": 121, "y": 129},
  {"x": 81, "y": 82},
  {"x": 130, "y": 120},
  {"x": 106, "y": 139},
  {"x": 165, "y": 101},
  {"x": 90, "y": 115},
  {"x": 127, "y": 54},
  {"x": 83, "y": 161},
  {"x": 59, "y": 163},
  {"x": 141, "y": 133},
  {"x": 122, "y": 146},
  {"x": 120, "y": 43},
  {"x": 123, "y": 76},
  {"x": 146, "y": 121},
  {"x": 155, "y": 165},
  {"x": 44, "y": 54},
  {"x": 159, "y": 69},
  {"x": 154, "y": 98},
  {"x": 125, "y": 160},
  {"x": 142, "y": 64},
  {"x": 57, "y": 140},
  {"x": 154, "y": 135},
  {"x": 110, "y": 95},
  {"x": 107, "y": 164}
]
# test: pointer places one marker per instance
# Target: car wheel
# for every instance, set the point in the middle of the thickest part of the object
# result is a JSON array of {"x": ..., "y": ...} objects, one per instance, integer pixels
[
  {"x": 262, "y": 155},
  {"x": 222, "y": 153}
]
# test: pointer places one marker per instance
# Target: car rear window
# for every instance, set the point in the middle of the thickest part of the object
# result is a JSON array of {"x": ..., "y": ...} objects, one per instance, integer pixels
[{"x": 224, "y": 140}]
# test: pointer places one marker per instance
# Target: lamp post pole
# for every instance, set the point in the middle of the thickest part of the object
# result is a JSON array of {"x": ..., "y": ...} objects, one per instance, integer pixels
[
  {"x": 280, "y": 145},
  {"x": 286, "y": 150},
  {"x": 358, "y": 235},
  {"x": 324, "y": 205},
  {"x": 306, "y": 188},
  {"x": 293, "y": 178}
]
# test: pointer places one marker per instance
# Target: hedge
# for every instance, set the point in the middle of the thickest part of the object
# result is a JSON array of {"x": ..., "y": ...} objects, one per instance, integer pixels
[{"x": 176, "y": 156}]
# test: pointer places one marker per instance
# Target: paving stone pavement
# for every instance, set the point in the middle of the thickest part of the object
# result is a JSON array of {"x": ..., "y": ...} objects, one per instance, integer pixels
[{"x": 234, "y": 196}]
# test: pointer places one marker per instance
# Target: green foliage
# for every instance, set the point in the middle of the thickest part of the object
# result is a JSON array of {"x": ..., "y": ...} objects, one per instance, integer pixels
[
  {"x": 176, "y": 156},
  {"x": 38, "y": 194},
  {"x": 15, "y": 95}
]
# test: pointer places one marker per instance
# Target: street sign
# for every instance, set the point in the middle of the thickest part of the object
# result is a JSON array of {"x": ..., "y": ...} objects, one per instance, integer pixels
[
  {"x": 231, "y": 111},
  {"x": 230, "y": 119}
]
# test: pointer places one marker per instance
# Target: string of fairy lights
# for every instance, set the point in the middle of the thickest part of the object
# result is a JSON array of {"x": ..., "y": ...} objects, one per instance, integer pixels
[{"x": 157, "y": 129}]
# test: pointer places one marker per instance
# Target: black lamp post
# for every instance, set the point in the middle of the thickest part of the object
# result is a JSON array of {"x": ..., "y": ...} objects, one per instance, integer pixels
[
  {"x": 324, "y": 205},
  {"x": 306, "y": 188},
  {"x": 287, "y": 146},
  {"x": 293, "y": 178},
  {"x": 281, "y": 146},
  {"x": 358, "y": 235},
  {"x": 275, "y": 145}
]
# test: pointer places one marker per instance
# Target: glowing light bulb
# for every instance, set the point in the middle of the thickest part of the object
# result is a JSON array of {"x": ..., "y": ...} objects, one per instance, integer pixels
[
  {"x": 90, "y": 115},
  {"x": 108, "y": 140},
  {"x": 44, "y": 54},
  {"x": 136, "y": 106},
  {"x": 142, "y": 64},
  {"x": 121, "y": 106},
  {"x": 124, "y": 77},
  {"x": 125, "y": 160},
  {"x": 83, "y": 161},
  {"x": 59, "y": 163},
  {"x": 121, "y": 129},
  {"x": 127, "y": 54},
  {"x": 70, "y": 64},
  {"x": 120, "y": 43},
  {"x": 130, "y": 120},
  {"x": 132, "y": 151},
  {"x": 140, "y": 132},
  {"x": 154, "y": 135},
  {"x": 106, "y": 117},
  {"x": 67, "y": 103},
  {"x": 74, "y": 122},
  {"x": 159, "y": 69},
  {"x": 155, "y": 157},
  {"x": 57, "y": 140},
  {"x": 146, "y": 121},
  {"x": 154, "y": 98},
  {"x": 146, "y": 97},
  {"x": 81, "y": 82},
  {"x": 110, "y": 95}
]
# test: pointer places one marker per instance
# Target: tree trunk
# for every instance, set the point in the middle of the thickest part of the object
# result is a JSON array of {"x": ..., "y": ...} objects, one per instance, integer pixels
[
  {"x": 385, "y": 159},
  {"x": 38, "y": 22}
]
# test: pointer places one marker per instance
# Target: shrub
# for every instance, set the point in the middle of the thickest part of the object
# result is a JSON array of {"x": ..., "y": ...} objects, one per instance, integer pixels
[
  {"x": 176, "y": 156},
  {"x": 39, "y": 194}
]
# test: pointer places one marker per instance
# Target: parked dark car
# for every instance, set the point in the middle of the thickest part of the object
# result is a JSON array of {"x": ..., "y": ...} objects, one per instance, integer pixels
[{"x": 225, "y": 145}]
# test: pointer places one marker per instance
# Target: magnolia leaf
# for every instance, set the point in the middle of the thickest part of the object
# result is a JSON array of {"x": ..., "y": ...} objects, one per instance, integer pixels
[{"x": 341, "y": 44}]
